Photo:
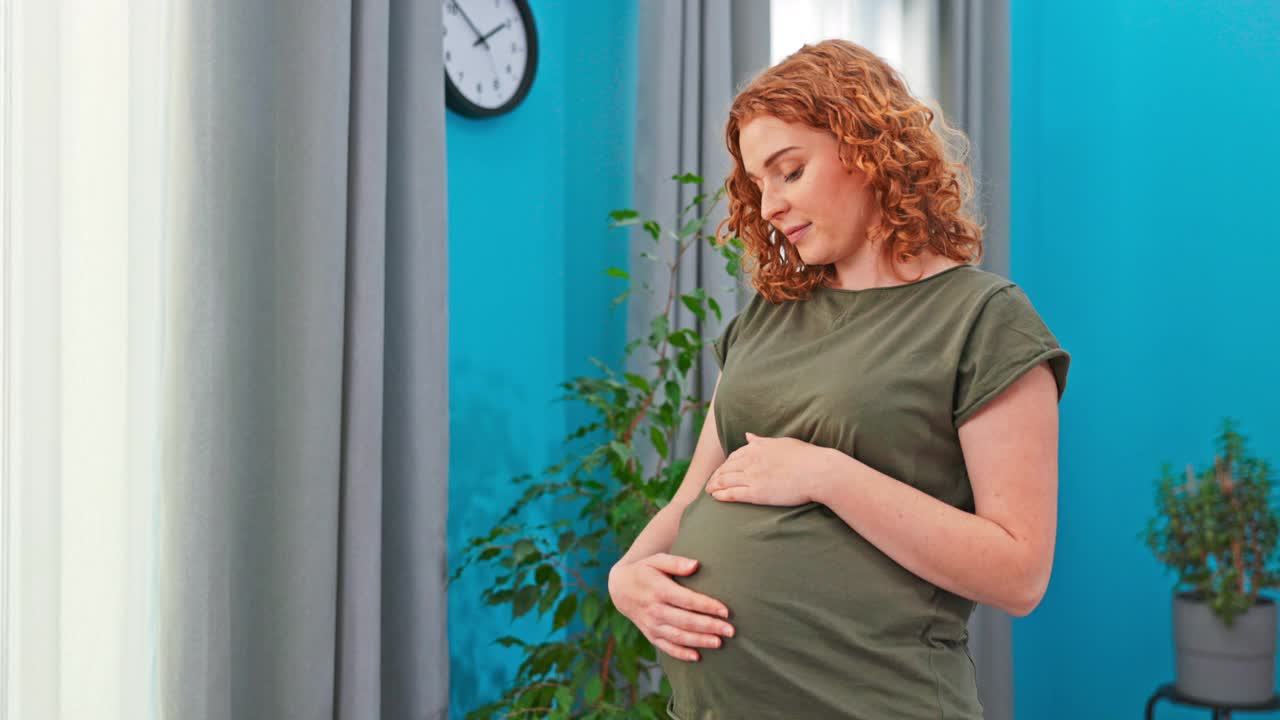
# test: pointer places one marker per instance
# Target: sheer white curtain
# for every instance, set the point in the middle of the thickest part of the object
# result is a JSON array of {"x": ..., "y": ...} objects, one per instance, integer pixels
[
  {"x": 83, "y": 183},
  {"x": 903, "y": 32}
]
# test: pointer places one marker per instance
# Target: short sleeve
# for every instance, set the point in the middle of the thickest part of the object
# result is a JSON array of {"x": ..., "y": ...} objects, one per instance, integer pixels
[
  {"x": 1006, "y": 341},
  {"x": 721, "y": 344}
]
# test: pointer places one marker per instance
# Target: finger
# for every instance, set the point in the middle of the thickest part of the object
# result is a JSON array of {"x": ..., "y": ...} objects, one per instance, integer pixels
[
  {"x": 728, "y": 471},
  {"x": 682, "y": 597},
  {"x": 732, "y": 478},
  {"x": 684, "y": 638},
  {"x": 711, "y": 481},
  {"x": 721, "y": 477},
  {"x": 733, "y": 494},
  {"x": 672, "y": 564},
  {"x": 692, "y": 621},
  {"x": 675, "y": 651}
]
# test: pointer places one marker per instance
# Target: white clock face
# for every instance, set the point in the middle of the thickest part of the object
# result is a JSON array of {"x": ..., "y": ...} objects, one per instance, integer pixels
[{"x": 485, "y": 50}]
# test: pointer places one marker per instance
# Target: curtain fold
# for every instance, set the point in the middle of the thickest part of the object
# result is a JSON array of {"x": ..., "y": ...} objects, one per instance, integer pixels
[
  {"x": 415, "y": 463},
  {"x": 694, "y": 55},
  {"x": 254, "y": 351},
  {"x": 359, "y": 643},
  {"x": 975, "y": 94},
  {"x": 229, "y": 429}
]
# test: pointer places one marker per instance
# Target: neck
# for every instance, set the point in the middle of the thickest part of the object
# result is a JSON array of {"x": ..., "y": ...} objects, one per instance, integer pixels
[{"x": 868, "y": 268}]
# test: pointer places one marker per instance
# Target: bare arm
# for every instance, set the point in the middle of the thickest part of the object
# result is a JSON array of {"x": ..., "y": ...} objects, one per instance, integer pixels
[
  {"x": 661, "y": 531},
  {"x": 674, "y": 618}
]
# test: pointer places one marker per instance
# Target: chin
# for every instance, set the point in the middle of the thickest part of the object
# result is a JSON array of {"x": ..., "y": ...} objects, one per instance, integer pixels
[
  {"x": 810, "y": 254},
  {"x": 811, "y": 258}
]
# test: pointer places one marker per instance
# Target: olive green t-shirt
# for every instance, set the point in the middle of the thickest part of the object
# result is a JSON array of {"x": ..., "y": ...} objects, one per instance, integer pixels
[{"x": 828, "y": 626}]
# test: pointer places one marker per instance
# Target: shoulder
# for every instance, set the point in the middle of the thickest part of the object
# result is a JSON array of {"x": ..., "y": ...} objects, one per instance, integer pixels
[
  {"x": 986, "y": 318},
  {"x": 976, "y": 284},
  {"x": 1003, "y": 336},
  {"x": 972, "y": 293},
  {"x": 996, "y": 295},
  {"x": 756, "y": 305}
]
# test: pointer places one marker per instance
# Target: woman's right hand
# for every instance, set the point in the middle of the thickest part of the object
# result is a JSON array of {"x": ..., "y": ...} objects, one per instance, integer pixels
[{"x": 674, "y": 618}]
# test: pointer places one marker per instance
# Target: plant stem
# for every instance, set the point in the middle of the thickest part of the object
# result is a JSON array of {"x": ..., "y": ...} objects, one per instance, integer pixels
[
  {"x": 515, "y": 713},
  {"x": 604, "y": 665},
  {"x": 576, "y": 577}
]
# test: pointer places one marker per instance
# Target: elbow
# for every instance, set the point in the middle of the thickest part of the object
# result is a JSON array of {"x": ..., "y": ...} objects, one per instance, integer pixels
[
  {"x": 1023, "y": 588},
  {"x": 1027, "y": 594},
  {"x": 1022, "y": 607}
]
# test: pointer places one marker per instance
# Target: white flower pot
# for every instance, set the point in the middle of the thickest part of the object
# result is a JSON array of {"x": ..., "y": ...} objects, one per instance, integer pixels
[{"x": 1220, "y": 664}]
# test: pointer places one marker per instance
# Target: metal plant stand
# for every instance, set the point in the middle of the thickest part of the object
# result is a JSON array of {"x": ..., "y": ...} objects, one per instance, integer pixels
[{"x": 1220, "y": 712}]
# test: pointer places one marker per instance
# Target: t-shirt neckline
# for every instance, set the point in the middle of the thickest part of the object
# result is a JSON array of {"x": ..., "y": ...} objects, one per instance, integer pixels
[{"x": 914, "y": 283}]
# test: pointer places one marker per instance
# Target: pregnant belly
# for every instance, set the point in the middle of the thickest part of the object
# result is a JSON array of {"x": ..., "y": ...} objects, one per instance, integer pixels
[{"x": 805, "y": 593}]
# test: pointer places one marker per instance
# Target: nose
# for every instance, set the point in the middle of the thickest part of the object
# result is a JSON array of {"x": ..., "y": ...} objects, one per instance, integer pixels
[{"x": 772, "y": 204}]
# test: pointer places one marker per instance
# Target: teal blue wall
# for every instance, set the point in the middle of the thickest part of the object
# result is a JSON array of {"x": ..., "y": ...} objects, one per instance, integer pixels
[
  {"x": 529, "y": 195},
  {"x": 1145, "y": 151}
]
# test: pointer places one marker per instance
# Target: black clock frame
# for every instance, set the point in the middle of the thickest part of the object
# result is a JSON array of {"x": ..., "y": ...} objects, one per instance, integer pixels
[{"x": 456, "y": 101}]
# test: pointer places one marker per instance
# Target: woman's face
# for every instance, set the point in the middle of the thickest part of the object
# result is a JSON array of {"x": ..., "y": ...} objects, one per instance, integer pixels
[{"x": 805, "y": 191}]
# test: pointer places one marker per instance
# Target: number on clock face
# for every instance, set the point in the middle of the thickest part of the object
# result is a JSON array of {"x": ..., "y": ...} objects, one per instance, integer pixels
[{"x": 484, "y": 49}]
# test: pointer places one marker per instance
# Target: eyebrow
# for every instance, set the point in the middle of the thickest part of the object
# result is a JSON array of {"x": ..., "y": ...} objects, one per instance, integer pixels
[{"x": 773, "y": 157}]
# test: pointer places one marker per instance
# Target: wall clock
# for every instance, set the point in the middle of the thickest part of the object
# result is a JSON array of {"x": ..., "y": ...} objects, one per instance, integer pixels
[{"x": 490, "y": 55}]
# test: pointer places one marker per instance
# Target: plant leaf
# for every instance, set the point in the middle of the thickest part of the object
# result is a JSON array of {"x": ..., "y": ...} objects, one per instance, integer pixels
[
  {"x": 545, "y": 574},
  {"x": 695, "y": 306},
  {"x": 564, "y": 698},
  {"x": 525, "y": 598},
  {"x": 522, "y": 549},
  {"x": 564, "y": 613},
  {"x": 590, "y": 610},
  {"x": 659, "y": 441},
  {"x": 591, "y": 693}
]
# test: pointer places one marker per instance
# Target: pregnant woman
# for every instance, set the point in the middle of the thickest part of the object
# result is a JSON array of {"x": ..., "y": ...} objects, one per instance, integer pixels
[{"x": 881, "y": 448}]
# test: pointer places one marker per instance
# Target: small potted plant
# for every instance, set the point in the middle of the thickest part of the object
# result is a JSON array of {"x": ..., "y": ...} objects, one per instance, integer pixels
[{"x": 1218, "y": 531}]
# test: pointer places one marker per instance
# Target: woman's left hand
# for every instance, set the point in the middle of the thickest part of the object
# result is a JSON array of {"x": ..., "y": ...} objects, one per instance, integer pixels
[{"x": 772, "y": 471}]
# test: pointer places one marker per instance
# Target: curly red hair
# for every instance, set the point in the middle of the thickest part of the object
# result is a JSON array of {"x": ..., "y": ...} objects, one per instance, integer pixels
[{"x": 883, "y": 131}]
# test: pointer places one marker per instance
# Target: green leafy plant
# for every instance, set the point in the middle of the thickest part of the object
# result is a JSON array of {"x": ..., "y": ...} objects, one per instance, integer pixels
[
  {"x": 599, "y": 669},
  {"x": 1218, "y": 530}
]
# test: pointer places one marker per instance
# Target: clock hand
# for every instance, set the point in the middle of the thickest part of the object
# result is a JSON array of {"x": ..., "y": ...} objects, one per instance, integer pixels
[
  {"x": 474, "y": 29},
  {"x": 488, "y": 35}
]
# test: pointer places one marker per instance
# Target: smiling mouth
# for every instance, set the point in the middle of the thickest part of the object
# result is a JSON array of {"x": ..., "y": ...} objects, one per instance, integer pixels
[{"x": 796, "y": 234}]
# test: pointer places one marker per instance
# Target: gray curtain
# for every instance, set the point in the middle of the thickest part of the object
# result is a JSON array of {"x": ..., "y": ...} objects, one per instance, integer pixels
[
  {"x": 694, "y": 55},
  {"x": 305, "y": 395},
  {"x": 974, "y": 92},
  {"x": 974, "y": 89}
]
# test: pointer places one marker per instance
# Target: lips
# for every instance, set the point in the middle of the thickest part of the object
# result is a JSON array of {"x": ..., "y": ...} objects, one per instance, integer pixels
[{"x": 796, "y": 232}]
